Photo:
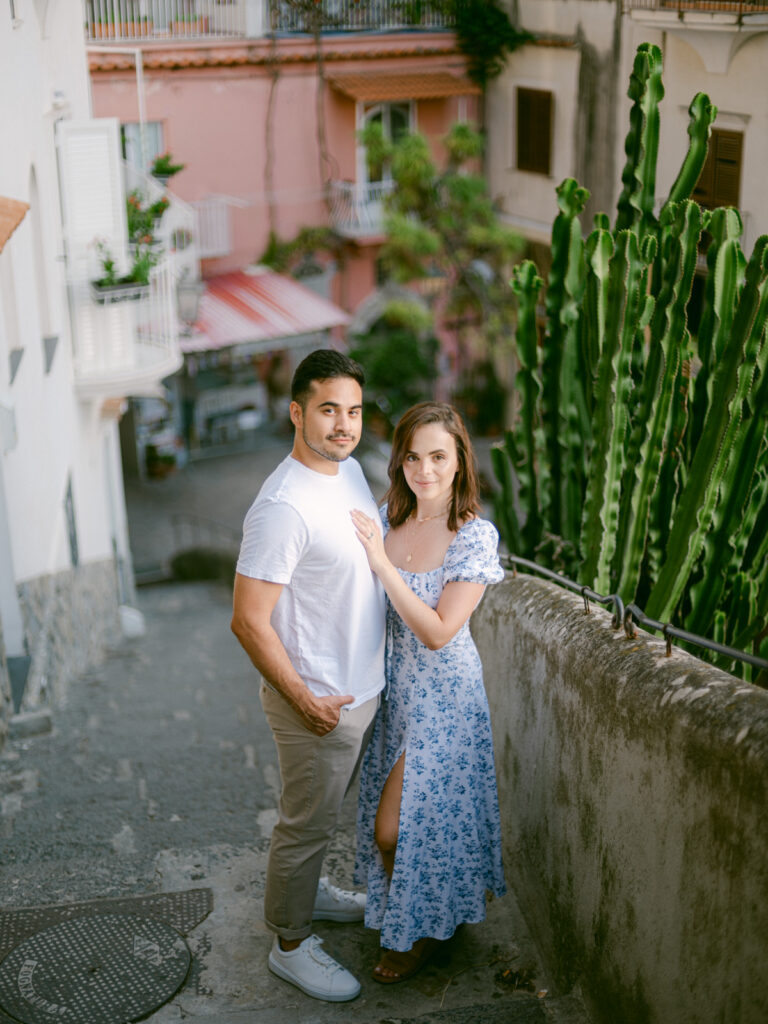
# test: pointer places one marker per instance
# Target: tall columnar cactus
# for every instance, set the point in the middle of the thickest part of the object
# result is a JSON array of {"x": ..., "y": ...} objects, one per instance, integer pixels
[
  {"x": 625, "y": 304},
  {"x": 733, "y": 380},
  {"x": 635, "y": 205},
  {"x": 669, "y": 417},
  {"x": 562, "y": 405}
]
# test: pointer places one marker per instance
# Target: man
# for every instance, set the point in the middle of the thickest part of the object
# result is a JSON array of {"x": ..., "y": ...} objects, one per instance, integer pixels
[{"x": 310, "y": 615}]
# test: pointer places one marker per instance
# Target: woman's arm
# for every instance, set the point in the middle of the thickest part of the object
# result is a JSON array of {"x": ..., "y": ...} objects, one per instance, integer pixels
[{"x": 434, "y": 627}]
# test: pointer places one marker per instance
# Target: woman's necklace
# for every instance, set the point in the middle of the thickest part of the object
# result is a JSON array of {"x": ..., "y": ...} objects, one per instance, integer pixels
[{"x": 416, "y": 520}]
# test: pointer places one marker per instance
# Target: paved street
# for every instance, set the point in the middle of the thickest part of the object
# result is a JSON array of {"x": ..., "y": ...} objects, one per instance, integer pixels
[{"x": 160, "y": 776}]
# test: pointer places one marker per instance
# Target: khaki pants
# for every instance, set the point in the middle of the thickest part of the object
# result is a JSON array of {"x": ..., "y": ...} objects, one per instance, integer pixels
[{"x": 315, "y": 773}]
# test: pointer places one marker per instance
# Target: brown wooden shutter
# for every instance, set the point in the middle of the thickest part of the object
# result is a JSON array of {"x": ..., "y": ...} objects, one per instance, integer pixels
[
  {"x": 719, "y": 183},
  {"x": 534, "y": 130}
]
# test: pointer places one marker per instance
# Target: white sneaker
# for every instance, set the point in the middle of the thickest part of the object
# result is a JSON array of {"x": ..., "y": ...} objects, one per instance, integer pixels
[
  {"x": 309, "y": 968},
  {"x": 334, "y": 904}
]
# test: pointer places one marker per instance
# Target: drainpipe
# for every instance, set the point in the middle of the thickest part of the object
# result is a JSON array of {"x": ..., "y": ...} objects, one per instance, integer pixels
[{"x": 138, "y": 60}]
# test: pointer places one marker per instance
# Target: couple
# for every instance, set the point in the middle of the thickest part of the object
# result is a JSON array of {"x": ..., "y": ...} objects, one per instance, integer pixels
[{"x": 326, "y": 591}]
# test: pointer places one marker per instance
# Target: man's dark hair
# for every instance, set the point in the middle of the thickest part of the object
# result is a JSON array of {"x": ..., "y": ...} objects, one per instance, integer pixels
[{"x": 322, "y": 364}]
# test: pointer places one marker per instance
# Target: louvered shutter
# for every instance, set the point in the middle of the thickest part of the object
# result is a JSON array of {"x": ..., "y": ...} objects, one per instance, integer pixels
[
  {"x": 93, "y": 207},
  {"x": 719, "y": 183},
  {"x": 92, "y": 193},
  {"x": 534, "y": 130}
]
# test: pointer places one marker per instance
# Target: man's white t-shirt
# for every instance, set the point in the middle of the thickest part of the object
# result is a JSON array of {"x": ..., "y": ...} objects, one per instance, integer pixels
[{"x": 330, "y": 615}]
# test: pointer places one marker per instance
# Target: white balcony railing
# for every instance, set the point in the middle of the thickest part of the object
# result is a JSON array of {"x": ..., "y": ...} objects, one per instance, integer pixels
[
  {"x": 126, "y": 343},
  {"x": 177, "y": 234},
  {"x": 358, "y": 210},
  {"x": 126, "y": 347},
  {"x": 214, "y": 226},
  {"x": 143, "y": 20},
  {"x": 187, "y": 20}
]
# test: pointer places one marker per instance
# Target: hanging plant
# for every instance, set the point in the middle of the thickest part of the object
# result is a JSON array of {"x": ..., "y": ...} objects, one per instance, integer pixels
[{"x": 486, "y": 36}]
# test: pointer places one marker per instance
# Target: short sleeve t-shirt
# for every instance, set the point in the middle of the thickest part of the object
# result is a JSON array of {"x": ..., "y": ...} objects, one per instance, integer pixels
[{"x": 330, "y": 615}]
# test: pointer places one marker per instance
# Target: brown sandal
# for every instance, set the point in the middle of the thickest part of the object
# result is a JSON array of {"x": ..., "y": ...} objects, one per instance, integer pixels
[{"x": 404, "y": 965}]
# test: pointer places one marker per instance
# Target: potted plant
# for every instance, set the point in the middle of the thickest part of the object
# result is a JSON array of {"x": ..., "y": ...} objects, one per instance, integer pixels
[
  {"x": 164, "y": 168},
  {"x": 143, "y": 220},
  {"x": 114, "y": 287}
]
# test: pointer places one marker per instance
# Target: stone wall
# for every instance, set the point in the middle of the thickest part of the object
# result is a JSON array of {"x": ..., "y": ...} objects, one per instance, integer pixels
[
  {"x": 6, "y": 708},
  {"x": 69, "y": 617},
  {"x": 633, "y": 795}
]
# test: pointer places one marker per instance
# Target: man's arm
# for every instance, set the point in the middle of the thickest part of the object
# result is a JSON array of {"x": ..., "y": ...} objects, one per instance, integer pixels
[{"x": 254, "y": 602}]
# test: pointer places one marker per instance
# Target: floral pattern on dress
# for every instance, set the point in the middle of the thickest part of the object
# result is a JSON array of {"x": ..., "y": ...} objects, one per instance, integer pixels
[{"x": 436, "y": 710}]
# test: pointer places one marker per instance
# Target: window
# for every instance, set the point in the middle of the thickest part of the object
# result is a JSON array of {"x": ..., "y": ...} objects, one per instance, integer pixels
[
  {"x": 534, "y": 130},
  {"x": 719, "y": 183},
  {"x": 130, "y": 141},
  {"x": 395, "y": 121}
]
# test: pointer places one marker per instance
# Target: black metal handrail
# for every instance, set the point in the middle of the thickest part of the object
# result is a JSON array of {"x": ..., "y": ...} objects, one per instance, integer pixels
[{"x": 627, "y": 615}]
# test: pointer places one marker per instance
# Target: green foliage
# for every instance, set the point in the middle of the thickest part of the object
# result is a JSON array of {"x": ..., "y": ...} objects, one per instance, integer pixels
[
  {"x": 298, "y": 255},
  {"x": 398, "y": 355},
  {"x": 639, "y": 458},
  {"x": 442, "y": 225},
  {"x": 486, "y": 36}
]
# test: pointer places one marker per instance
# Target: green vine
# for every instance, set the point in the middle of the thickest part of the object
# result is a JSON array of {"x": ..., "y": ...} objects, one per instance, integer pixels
[{"x": 486, "y": 36}]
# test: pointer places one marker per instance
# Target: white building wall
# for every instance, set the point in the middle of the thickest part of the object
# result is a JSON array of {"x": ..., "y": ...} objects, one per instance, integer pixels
[
  {"x": 574, "y": 58},
  {"x": 737, "y": 90},
  {"x": 44, "y": 69},
  {"x": 55, "y": 436}
]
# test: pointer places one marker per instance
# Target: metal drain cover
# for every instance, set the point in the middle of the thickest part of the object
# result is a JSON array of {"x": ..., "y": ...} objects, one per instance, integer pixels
[{"x": 103, "y": 969}]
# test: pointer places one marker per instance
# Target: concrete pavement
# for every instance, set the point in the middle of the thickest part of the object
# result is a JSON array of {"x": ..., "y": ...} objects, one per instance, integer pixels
[{"x": 160, "y": 775}]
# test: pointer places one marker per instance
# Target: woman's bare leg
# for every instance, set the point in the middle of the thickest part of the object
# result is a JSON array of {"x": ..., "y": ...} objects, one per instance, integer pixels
[
  {"x": 386, "y": 830},
  {"x": 387, "y": 824}
]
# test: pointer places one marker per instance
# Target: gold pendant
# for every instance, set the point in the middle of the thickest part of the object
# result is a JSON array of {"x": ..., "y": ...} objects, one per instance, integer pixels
[{"x": 409, "y": 557}]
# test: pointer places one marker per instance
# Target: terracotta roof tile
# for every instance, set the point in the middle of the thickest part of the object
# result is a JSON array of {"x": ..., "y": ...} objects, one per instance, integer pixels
[
  {"x": 12, "y": 212},
  {"x": 408, "y": 85}
]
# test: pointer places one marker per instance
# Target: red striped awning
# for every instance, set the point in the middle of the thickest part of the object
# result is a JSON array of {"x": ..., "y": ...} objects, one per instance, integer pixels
[{"x": 256, "y": 309}]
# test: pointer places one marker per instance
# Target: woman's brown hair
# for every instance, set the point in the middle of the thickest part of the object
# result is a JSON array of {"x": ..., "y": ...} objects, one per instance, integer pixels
[{"x": 401, "y": 501}]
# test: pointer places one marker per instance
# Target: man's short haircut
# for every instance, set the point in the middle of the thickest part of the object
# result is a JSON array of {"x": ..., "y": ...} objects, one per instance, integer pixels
[{"x": 322, "y": 364}]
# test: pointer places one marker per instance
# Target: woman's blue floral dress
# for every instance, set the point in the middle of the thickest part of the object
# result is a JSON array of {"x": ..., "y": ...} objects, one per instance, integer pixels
[{"x": 449, "y": 844}]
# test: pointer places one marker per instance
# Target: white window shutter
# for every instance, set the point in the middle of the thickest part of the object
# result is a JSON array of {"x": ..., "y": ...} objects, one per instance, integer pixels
[{"x": 92, "y": 193}]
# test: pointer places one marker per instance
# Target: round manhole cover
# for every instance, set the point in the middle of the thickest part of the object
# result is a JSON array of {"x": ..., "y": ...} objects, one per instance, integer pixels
[{"x": 104, "y": 969}]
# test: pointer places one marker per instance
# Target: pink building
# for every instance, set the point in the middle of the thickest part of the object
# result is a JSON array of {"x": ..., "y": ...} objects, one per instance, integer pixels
[{"x": 268, "y": 132}]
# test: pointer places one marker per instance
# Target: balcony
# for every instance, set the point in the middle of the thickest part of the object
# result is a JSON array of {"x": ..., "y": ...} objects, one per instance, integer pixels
[
  {"x": 716, "y": 29},
  {"x": 126, "y": 347},
  {"x": 372, "y": 16},
  {"x": 357, "y": 211},
  {"x": 682, "y": 7},
  {"x": 143, "y": 21},
  {"x": 126, "y": 343}
]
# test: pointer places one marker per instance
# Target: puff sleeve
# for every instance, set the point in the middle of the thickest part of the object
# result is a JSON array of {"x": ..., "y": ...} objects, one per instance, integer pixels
[{"x": 473, "y": 557}]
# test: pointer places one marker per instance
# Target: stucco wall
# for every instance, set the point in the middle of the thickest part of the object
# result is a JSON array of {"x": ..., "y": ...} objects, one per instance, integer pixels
[
  {"x": 69, "y": 619},
  {"x": 633, "y": 795}
]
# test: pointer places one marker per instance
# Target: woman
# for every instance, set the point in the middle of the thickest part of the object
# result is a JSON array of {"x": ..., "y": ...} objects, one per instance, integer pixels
[{"x": 429, "y": 842}]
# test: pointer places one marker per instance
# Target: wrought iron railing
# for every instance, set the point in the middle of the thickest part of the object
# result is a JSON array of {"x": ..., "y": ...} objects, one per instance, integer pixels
[
  {"x": 363, "y": 16},
  {"x": 738, "y": 7},
  {"x": 358, "y": 210},
  {"x": 626, "y": 615}
]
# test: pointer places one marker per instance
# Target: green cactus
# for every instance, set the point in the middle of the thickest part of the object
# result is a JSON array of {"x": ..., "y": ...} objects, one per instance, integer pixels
[
  {"x": 702, "y": 115},
  {"x": 623, "y": 302},
  {"x": 669, "y": 329},
  {"x": 643, "y": 438},
  {"x": 635, "y": 205},
  {"x": 695, "y": 509},
  {"x": 564, "y": 291}
]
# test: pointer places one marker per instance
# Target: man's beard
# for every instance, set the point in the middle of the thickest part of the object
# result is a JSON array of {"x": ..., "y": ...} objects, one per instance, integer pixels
[{"x": 331, "y": 456}]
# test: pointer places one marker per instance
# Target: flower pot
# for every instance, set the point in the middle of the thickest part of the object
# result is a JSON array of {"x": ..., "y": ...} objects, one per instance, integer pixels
[{"x": 123, "y": 291}]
